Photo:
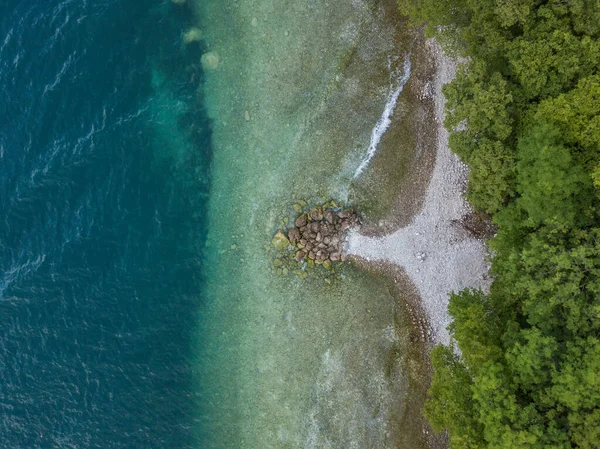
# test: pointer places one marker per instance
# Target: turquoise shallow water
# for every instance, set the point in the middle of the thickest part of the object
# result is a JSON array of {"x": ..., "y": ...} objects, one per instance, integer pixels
[{"x": 104, "y": 176}]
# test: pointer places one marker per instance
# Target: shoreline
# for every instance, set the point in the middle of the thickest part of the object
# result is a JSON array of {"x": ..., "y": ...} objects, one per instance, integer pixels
[
  {"x": 437, "y": 254},
  {"x": 285, "y": 362}
]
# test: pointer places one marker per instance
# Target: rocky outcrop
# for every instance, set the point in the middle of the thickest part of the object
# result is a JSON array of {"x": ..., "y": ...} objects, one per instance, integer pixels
[{"x": 319, "y": 235}]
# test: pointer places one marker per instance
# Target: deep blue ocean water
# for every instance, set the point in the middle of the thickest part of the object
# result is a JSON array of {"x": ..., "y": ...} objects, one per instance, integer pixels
[{"x": 104, "y": 177}]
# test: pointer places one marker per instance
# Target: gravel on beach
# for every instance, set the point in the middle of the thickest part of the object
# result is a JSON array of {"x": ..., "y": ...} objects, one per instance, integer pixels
[{"x": 436, "y": 252}]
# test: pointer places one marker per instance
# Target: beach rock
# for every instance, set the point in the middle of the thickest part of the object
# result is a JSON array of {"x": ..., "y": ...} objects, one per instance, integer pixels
[{"x": 280, "y": 241}]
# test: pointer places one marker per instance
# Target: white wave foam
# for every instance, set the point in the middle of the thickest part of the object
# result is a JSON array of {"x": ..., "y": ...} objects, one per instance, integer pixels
[{"x": 396, "y": 87}]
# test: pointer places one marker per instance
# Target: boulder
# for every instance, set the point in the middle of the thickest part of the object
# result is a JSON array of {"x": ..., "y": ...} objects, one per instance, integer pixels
[
  {"x": 294, "y": 235},
  {"x": 311, "y": 255},
  {"x": 301, "y": 221},
  {"x": 329, "y": 216},
  {"x": 300, "y": 255},
  {"x": 316, "y": 213},
  {"x": 345, "y": 214}
]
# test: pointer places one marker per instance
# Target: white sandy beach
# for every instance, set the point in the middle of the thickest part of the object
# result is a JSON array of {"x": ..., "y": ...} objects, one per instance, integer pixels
[{"x": 434, "y": 250}]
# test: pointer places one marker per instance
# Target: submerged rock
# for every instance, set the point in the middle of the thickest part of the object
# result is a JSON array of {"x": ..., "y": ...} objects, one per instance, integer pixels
[
  {"x": 280, "y": 241},
  {"x": 192, "y": 35},
  {"x": 210, "y": 60}
]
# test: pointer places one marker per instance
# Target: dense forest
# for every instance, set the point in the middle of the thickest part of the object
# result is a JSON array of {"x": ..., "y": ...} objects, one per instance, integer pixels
[{"x": 524, "y": 114}]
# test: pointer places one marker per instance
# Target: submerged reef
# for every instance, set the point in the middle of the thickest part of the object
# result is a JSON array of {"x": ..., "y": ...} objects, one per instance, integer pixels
[{"x": 318, "y": 237}]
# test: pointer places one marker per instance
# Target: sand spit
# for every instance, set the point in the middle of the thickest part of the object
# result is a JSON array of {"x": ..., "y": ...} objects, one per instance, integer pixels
[{"x": 437, "y": 253}]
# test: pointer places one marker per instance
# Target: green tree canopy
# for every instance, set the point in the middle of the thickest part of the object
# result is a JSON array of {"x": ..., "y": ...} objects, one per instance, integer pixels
[
  {"x": 551, "y": 185},
  {"x": 524, "y": 114}
]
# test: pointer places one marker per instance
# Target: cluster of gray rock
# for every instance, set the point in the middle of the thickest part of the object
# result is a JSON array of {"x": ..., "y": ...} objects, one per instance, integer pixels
[{"x": 319, "y": 235}]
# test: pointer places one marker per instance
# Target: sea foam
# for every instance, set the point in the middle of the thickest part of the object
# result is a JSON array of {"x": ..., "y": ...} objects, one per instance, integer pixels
[{"x": 396, "y": 86}]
